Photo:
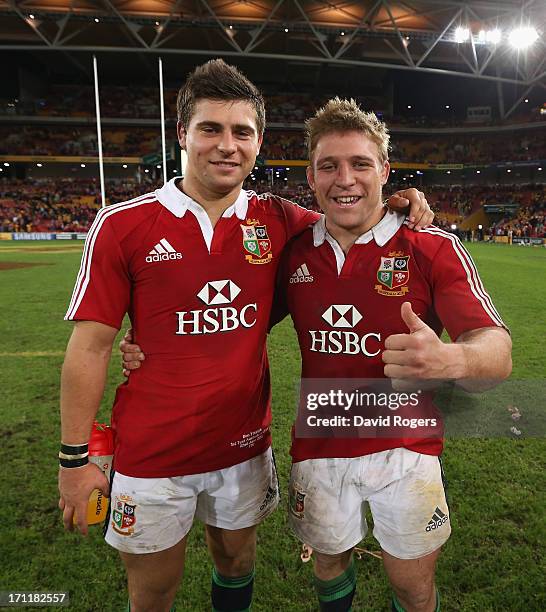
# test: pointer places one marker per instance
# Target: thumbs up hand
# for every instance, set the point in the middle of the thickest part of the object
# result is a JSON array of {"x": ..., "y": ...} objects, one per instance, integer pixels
[{"x": 418, "y": 354}]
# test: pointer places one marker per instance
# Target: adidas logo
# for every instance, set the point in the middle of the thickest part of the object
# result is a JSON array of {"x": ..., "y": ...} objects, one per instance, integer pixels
[
  {"x": 437, "y": 520},
  {"x": 163, "y": 251},
  {"x": 301, "y": 275},
  {"x": 269, "y": 497}
]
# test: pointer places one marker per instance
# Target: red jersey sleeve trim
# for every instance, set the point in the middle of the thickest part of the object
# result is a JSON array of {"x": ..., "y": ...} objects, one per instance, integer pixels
[
  {"x": 84, "y": 274},
  {"x": 474, "y": 281}
]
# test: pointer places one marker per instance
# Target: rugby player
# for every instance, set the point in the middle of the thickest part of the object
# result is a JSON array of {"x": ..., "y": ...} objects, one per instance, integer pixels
[
  {"x": 369, "y": 299},
  {"x": 194, "y": 266}
]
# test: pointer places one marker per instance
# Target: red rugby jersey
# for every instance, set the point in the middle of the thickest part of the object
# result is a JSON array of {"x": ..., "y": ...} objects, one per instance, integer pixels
[
  {"x": 199, "y": 300},
  {"x": 330, "y": 296}
]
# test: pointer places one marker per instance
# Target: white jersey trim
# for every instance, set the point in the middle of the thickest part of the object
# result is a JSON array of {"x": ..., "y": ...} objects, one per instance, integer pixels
[
  {"x": 84, "y": 274},
  {"x": 382, "y": 232},
  {"x": 472, "y": 276},
  {"x": 177, "y": 202}
]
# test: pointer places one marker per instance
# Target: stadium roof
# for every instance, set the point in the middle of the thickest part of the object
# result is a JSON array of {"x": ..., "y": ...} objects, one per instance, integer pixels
[{"x": 409, "y": 35}]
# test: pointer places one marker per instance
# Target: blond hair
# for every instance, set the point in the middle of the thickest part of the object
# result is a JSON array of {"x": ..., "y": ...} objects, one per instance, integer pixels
[{"x": 339, "y": 115}]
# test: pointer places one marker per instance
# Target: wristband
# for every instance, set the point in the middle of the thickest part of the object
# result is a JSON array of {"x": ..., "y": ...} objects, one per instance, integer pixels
[
  {"x": 72, "y": 457},
  {"x": 74, "y": 449},
  {"x": 73, "y": 463}
]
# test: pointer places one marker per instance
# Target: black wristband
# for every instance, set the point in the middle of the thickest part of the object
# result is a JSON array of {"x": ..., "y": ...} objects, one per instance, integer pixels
[
  {"x": 69, "y": 449},
  {"x": 67, "y": 463}
]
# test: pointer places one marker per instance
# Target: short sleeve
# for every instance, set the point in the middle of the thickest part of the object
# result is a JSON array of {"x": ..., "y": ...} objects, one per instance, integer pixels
[
  {"x": 103, "y": 287},
  {"x": 460, "y": 299}
]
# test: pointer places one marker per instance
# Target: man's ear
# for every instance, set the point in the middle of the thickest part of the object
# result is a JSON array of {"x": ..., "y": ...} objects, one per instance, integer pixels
[
  {"x": 385, "y": 173},
  {"x": 310, "y": 177},
  {"x": 181, "y": 133},
  {"x": 260, "y": 141}
]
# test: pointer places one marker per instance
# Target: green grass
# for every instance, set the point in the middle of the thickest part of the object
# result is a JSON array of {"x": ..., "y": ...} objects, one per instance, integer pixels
[{"x": 493, "y": 561}]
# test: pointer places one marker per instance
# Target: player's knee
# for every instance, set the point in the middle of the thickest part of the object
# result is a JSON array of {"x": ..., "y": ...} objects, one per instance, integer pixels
[
  {"x": 331, "y": 566},
  {"x": 146, "y": 600},
  {"x": 417, "y": 596},
  {"x": 234, "y": 563}
]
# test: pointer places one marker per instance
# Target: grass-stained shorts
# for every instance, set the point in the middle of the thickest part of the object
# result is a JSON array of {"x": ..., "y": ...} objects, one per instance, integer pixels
[
  {"x": 152, "y": 514},
  {"x": 404, "y": 490}
]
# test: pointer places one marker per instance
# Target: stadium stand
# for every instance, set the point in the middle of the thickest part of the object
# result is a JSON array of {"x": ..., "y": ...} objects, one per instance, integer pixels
[
  {"x": 71, "y": 204},
  {"x": 278, "y": 145}
]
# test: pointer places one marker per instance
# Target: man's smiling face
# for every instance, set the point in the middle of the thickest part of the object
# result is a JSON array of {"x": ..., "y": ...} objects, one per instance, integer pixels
[
  {"x": 347, "y": 176},
  {"x": 221, "y": 142}
]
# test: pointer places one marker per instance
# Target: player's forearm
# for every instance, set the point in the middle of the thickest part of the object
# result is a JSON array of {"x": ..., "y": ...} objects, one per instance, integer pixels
[
  {"x": 82, "y": 385},
  {"x": 482, "y": 358}
]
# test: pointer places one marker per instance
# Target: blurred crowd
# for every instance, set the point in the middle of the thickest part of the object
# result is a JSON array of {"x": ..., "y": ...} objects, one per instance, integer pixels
[
  {"x": 529, "y": 223},
  {"x": 143, "y": 103},
  {"x": 62, "y": 140},
  {"x": 70, "y": 205}
]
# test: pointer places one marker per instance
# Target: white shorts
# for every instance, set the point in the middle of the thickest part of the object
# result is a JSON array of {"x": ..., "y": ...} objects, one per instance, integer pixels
[
  {"x": 405, "y": 492},
  {"x": 152, "y": 514}
]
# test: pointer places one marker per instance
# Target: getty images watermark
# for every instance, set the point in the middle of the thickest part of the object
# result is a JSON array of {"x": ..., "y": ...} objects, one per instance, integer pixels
[{"x": 372, "y": 408}]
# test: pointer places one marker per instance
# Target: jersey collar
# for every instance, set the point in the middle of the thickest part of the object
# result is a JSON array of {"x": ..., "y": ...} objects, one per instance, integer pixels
[
  {"x": 177, "y": 202},
  {"x": 382, "y": 232}
]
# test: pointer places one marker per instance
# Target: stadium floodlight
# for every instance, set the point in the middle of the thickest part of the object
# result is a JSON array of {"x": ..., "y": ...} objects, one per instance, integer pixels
[
  {"x": 478, "y": 171},
  {"x": 480, "y": 226},
  {"x": 453, "y": 226},
  {"x": 490, "y": 36},
  {"x": 287, "y": 168},
  {"x": 526, "y": 100},
  {"x": 146, "y": 170},
  {"x": 493, "y": 36},
  {"x": 82, "y": 165},
  {"x": 31, "y": 16},
  {"x": 125, "y": 165},
  {"x": 523, "y": 37},
  {"x": 97, "y": 19},
  {"x": 342, "y": 33},
  {"x": 38, "y": 165},
  {"x": 448, "y": 172},
  {"x": 409, "y": 106},
  {"x": 286, "y": 30},
  {"x": 540, "y": 169},
  {"x": 509, "y": 170},
  {"x": 461, "y": 34},
  {"x": 6, "y": 164},
  {"x": 158, "y": 166},
  {"x": 447, "y": 106}
]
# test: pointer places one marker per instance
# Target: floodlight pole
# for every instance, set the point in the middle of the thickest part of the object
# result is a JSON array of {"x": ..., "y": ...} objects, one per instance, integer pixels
[
  {"x": 162, "y": 110},
  {"x": 99, "y": 133}
]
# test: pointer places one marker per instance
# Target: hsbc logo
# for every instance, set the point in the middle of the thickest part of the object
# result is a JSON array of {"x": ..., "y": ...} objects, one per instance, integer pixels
[
  {"x": 219, "y": 292},
  {"x": 222, "y": 319},
  {"x": 344, "y": 316}
]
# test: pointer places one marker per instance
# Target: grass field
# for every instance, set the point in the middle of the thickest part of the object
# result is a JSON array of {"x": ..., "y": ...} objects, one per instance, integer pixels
[{"x": 494, "y": 560}]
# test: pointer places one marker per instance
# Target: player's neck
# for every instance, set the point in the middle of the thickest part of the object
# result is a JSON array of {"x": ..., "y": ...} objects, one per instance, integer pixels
[
  {"x": 215, "y": 204},
  {"x": 346, "y": 237}
]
